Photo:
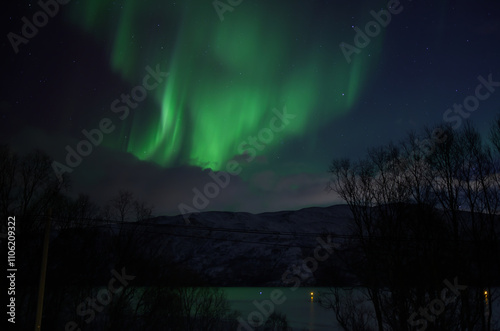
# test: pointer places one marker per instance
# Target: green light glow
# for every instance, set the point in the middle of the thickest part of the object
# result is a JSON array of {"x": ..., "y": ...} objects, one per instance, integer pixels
[{"x": 225, "y": 77}]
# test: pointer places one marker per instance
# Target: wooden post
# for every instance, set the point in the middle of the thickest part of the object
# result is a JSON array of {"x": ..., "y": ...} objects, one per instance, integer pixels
[{"x": 43, "y": 272}]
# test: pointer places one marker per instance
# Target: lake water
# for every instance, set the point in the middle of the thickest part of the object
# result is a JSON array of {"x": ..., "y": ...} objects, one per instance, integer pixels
[{"x": 302, "y": 310}]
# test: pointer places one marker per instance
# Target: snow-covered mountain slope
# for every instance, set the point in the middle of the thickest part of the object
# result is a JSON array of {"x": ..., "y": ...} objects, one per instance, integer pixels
[{"x": 243, "y": 249}]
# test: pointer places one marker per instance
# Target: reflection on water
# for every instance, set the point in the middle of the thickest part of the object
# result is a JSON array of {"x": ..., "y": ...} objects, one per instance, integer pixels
[
  {"x": 312, "y": 318},
  {"x": 300, "y": 305}
]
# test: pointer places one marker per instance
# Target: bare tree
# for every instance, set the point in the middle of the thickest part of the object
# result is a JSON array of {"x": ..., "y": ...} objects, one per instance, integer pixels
[
  {"x": 125, "y": 208},
  {"x": 28, "y": 186},
  {"x": 415, "y": 206},
  {"x": 350, "y": 308},
  {"x": 143, "y": 211},
  {"x": 122, "y": 205}
]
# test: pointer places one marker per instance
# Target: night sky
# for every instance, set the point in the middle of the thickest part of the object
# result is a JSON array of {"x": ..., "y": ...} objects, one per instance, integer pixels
[{"x": 169, "y": 93}]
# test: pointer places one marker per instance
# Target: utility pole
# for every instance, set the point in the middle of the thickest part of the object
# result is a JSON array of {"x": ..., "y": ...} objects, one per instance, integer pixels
[{"x": 43, "y": 272}]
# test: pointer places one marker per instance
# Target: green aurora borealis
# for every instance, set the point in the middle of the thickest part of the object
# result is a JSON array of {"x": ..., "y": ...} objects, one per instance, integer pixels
[
  {"x": 225, "y": 80},
  {"x": 225, "y": 77}
]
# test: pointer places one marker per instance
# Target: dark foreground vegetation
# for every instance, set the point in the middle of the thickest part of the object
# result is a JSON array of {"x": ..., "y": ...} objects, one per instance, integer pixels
[
  {"x": 424, "y": 219},
  {"x": 103, "y": 272},
  {"x": 425, "y": 214}
]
